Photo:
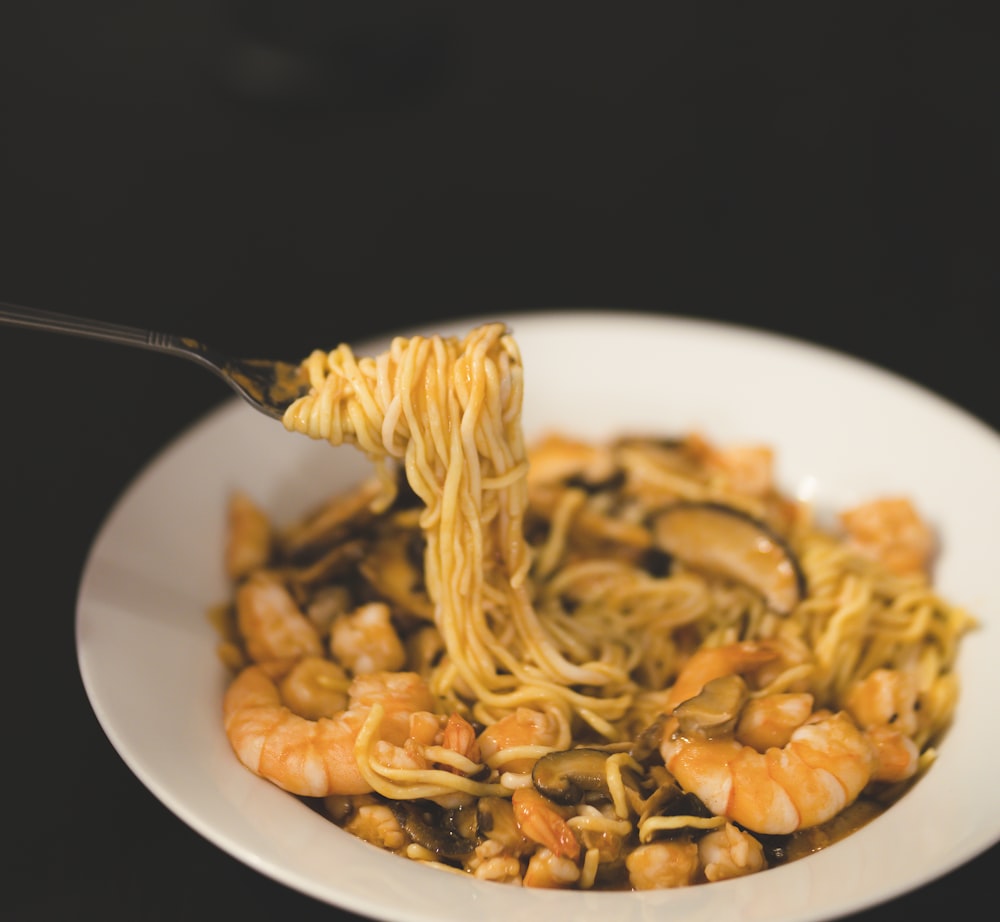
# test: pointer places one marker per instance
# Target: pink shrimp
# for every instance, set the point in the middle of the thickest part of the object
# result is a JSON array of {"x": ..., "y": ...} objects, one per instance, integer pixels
[
  {"x": 661, "y": 865},
  {"x": 270, "y": 621},
  {"x": 524, "y": 727},
  {"x": 825, "y": 765},
  {"x": 891, "y": 530},
  {"x": 749, "y": 469},
  {"x": 709, "y": 663},
  {"x": 884, "y": 705},
  {"x": 315, "y": 758},
  {"x": 771, "y": 720},
  {"x": 730, "y": 852},
  {"x": 543, "y": 822},
  {"x": 249, "y": 537}
]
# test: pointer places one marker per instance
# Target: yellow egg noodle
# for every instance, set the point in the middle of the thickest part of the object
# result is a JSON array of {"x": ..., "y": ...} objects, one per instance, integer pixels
[{"x": 618, "y": 665}]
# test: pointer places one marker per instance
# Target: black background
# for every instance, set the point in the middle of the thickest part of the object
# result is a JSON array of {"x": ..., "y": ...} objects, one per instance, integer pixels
[{"x": 273, "y": 177}]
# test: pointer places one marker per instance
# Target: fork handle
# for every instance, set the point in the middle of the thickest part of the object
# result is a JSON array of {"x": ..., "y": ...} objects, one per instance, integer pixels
[
  {"x": 268, "y": 386},
  {"x": 53, "y": 322}
]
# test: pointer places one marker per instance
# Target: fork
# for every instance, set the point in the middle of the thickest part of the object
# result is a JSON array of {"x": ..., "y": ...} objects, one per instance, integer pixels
[{"x": 268, "y": 386}]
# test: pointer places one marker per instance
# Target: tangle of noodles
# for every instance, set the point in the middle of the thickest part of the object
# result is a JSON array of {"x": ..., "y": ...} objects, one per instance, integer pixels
[
  {"x": 529, "y": 581},
  {"x": 450, "y": 411}
]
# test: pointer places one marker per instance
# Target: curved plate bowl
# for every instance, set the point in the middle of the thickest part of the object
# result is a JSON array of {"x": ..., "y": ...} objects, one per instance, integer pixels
[{"x": 842, "y": 430}]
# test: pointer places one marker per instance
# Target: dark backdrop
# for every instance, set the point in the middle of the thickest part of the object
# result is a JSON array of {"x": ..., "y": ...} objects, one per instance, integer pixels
[{"x": 269, "y": 177}]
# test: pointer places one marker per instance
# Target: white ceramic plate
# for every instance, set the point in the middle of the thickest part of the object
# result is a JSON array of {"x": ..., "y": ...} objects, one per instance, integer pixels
[{"x": 843, "y": 431}]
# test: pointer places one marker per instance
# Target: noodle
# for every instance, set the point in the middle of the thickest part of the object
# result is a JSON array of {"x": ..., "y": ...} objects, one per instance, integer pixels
[
  {"x": 450, "y": 411},
  {"x": 532, "y": 592}
]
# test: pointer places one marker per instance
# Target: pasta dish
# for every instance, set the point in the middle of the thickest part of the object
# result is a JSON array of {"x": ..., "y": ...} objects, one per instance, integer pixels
[{"x": 626, "y": 664}]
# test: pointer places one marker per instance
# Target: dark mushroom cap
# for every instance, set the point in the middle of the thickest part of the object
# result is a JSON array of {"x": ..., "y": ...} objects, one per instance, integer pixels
[
  {"x": 567, "y": 776},
  {"x": 438, "y": 836},
  {"x": 730, "y": 542},
  {"x": 713, "y": 712}
]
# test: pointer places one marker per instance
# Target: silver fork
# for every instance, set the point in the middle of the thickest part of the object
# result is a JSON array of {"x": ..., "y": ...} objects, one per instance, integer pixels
[{"x": 268, "y": 386}]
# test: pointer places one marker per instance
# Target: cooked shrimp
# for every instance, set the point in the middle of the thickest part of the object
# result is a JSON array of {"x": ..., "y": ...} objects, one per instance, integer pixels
[
  {"x": 730, "y": 852},
  {"x": 315, "y": 758},
  {"x": 897, "y": 756},
  {"x": 825, "y": 765},
  {"x": 708, "y": 663},
  {"x": 425, "y": 728},
  {"x": 770, "y": 720},
  {"x": 891, "y": 530},
  {"x": 491, "y": 861},
  {"x": 366, "y": 641},
  {"x": 884, "y": 697},
  {"x": 249, "y": 539},
  {"x": 657, "y": 865},
  {"x": 548, "y": 870},
  {"x": 376, "y": 823},
  {"x": 524, "y": 727},
  {"x": 499, "y": 856},
  {"x": 271, "y": 623},
  {"x": 543, "y": 822},
  {"x": 460, "y": 736},
  {"x": 315, "y": 687},
  {"x": 747, "y": 469},
  {"x": 884, "y": 704}
]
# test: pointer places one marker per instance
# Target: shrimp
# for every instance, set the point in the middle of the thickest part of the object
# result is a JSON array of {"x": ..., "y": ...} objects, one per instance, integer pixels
[
  {"x": 366, "y": 641},
  {"x": 747, "y": 469},
  {"x": 884, "y": 697},
  {"x": 555, "y": 864},
  {"x": 709, "y": 663},
  {"x": 884, "y": 704},
  {"x": 784, "y": 766},
  {"x": 891, "y": 531},
  {"x": 825, "y": 765},
  {"x": 315, "y": 758},
  {"x": 524, "y": 727},
  {"x": 771, "y": 720},
  {"x": 271, "y": 623},
  {"x": 670, "y": 863},
  {"x": 897, "y": 756},
  {"x": 498, "y": 856},
  {"x": 249, "y": 539},
  {"x": 460, "y": 736},
  {"x": 551, "y": 871},
  {"x": 315, "y": 687},
  {"x": 730, "y": 852},
  {"x": 376, "y": 823},
  {"x": 490, "y": 861},
  {"x": 543, "y": 822}
]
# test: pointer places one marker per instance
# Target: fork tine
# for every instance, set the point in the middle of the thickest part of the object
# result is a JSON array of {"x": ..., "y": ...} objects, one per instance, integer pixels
[{"x": 270, "y": 386}]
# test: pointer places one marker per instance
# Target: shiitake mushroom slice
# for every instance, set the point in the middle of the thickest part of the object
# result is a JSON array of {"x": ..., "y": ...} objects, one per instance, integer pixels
[
  {"x": 734, "y": 544},
  {"x": 713, "y": 712},
  {"x": 566, "y": 776},
  {"x": 435, "y": 829}
]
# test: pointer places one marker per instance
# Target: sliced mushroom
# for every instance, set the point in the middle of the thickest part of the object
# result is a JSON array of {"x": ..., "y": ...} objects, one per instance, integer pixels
[
  {"x": 566, "y": 777},
  {"x": 732, "y": 543},
  {"x": 647, "y": 744},
  {"x": 714, "y": 710},
  {"x": 669, "y": 799},
  {"x": 435, "y": 833}
]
